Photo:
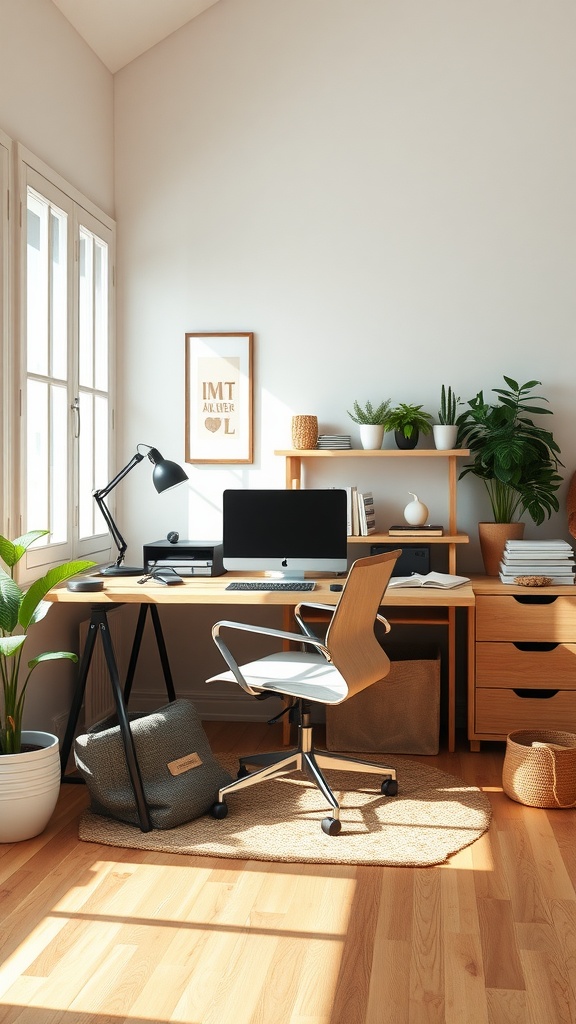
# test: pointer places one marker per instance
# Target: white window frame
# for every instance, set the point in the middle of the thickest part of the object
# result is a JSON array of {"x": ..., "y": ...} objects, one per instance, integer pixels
[
  {"x": 31, "y": 171},
  {"x": 6, "y": 368}
]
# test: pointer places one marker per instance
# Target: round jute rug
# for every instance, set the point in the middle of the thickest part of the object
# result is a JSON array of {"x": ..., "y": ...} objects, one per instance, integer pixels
[{"x": 433, "y": 816}]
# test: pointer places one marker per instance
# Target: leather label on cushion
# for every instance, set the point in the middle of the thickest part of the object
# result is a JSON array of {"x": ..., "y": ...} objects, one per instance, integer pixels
[{"x": 184, "y": 764}]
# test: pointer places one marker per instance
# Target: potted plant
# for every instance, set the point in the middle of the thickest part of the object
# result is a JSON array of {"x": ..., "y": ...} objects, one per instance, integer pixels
[
  {"x": 371, "y": 421},
  {"x": 28, "y": 760},
  {"x": 516, "y": 459},
  {"x": 408, "y": 422},
  {"x": 446, "y": 430}
]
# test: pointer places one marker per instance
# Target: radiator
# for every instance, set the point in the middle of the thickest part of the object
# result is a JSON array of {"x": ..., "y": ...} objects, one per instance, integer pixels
[{"x": 98, "y": 699}]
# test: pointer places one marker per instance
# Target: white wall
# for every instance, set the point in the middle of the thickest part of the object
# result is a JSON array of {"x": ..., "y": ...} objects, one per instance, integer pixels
[
  {"x": 56, "y": 98},
  {"x": 383, "y": 192}
]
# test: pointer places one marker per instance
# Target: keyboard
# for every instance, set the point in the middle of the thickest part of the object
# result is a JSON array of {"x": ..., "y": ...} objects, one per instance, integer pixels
[{"x": 271, "y": 585}]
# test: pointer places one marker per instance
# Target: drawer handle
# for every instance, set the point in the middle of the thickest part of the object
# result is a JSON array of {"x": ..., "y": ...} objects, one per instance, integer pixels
[
  {"x": 535, "y": 645},
  {"x": 535, "y": 694},
  {"x": 535, "y": 598}
]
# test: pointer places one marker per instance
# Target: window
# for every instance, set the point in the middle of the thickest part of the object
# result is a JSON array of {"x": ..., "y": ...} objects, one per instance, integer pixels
[
  {"x": 5, "y": 471},
  {"x": 66, "y": 308}
]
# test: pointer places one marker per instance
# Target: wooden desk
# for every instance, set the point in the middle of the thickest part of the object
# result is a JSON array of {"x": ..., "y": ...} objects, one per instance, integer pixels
[{"x": 419, "y": 605}]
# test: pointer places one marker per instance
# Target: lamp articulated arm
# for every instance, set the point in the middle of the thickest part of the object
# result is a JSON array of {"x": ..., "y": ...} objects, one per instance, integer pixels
[
  {"x": 165, "y": 475},
  {"x": 99, "y": 499}
]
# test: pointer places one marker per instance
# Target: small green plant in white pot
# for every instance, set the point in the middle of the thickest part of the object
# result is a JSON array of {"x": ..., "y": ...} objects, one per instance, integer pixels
[
  {"x": 371, "y": 420},
  {"x": 31, "y": 757},
  {"x": 446, "y": 430}
]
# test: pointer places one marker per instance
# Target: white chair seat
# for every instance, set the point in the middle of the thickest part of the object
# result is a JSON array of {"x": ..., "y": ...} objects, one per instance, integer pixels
[{"x": 293, "y": 673}]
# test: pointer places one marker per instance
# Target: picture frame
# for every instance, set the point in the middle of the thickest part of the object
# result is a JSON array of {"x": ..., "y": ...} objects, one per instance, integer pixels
[{"x": 219, "y": 397}]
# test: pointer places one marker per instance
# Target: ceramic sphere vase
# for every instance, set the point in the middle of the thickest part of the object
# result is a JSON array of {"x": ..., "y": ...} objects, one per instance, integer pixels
[
  {"x": 493, "y": 537},
  {"x": 371, "y": 436},
  {"x": 29, "y": 787}
]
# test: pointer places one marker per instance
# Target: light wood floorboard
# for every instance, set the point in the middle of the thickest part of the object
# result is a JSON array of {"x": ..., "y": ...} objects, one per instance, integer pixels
[{"x": 97, "y": 935}]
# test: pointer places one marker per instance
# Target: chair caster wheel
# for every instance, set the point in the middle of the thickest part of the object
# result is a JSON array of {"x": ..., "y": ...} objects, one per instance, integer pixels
[
  {"x": 242, "y": 772},
  {"x": 331, "y": 826},
  {"x": 389, "y": 787},
  {"x": 219, "y": 809}
]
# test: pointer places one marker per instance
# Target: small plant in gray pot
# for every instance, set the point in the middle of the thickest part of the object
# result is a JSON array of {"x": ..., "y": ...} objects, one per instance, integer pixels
[
  {"x": 371, "y": 420},
  {"x": 25, "y": 756},
  {"x": 446, "y": 430}
]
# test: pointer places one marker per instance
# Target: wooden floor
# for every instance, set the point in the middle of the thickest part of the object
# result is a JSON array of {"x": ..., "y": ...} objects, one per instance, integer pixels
[{"x": 93, "y": 934}]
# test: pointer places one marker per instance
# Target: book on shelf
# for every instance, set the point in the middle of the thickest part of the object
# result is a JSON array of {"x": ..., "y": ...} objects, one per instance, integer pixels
[
  {"x": 538, "y": 545},
  {"x": 431, "y": 530},
  {"x": 351, "y": 504},
  {"x": 555, "y": 581},
  {"x": 366, "y": 513},
  {"x": 536, "y": 556},
  {"x": 536, "y": 569},
  {"x": 440, "y": 580}
]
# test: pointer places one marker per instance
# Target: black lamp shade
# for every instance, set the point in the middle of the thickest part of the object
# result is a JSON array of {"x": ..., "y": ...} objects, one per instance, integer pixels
[{"x": 166, "y": 474}]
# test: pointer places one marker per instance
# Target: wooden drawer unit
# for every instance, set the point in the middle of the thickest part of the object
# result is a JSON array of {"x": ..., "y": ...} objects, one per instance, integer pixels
[
  {"x": 526, "y": 618},
  {"x": 525, "y": 662},
  {"x": 499, "y": 711}
]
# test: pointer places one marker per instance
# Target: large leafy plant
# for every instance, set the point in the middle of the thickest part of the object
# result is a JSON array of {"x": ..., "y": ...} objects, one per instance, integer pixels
[
  {"x": 18, "y": 611},
  {"x": 516, "y": 459}
]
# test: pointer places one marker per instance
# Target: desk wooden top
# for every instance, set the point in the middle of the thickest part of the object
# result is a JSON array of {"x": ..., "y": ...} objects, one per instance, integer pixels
[{"x": 212, "y": 590}]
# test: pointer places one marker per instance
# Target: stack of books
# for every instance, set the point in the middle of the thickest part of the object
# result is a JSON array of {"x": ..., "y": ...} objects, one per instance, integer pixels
[
  {"x": 551, "y": 558},
  {"x": 360, "y": 512},
  {"x": 334, "y": 442},
  {"x": 428, "y": 530}
]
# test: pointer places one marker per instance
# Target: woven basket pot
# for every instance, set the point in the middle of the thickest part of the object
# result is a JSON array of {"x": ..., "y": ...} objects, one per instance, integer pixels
[
  {"x": 540, "y": 776},
  {"x": 304, "y": 432}
]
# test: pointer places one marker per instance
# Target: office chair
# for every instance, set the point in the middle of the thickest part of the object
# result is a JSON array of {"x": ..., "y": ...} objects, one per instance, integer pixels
[{"x": 349, "y": 659}]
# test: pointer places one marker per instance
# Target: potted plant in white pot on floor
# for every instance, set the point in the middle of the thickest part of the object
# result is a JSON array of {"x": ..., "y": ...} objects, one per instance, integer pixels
[
  {"x": 516, "y": 459},
  {"x": 29, "y": 761},
  {"x": 371, "y": 420}
]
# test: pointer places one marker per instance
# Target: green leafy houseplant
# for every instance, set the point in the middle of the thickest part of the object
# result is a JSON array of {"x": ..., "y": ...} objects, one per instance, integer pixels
[
  {"x": 370, "y": 415},
  {"x": 516, "y": 459},
  {"x": 448, "y": 403},
  {"x": 18, "y": 611},
  {"x": 406, "y": 419}
]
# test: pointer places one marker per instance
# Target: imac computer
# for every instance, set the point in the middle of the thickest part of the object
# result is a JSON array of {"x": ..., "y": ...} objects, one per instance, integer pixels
[{"x": 285, "y": 532}]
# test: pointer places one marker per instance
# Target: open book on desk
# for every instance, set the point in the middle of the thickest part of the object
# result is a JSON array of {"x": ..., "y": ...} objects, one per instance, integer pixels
[{"x": 441, "y": 580}]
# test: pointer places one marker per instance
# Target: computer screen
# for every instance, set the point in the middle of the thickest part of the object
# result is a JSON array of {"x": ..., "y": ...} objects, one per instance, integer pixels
[{"x": 285, "y": 532}]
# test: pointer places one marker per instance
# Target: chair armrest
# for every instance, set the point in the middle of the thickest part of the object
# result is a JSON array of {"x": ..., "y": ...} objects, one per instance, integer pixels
[
  {"x": 263, "y": 631},
  {"x": 385, "y": 623},
  {"x": 306, "y": 629}
]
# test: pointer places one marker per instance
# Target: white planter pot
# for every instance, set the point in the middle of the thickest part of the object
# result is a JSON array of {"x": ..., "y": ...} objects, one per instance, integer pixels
[
  {"x": 371, "y": 436},
  {"x": 445, "y": 435},
  {"x": 29, "y": 788}
]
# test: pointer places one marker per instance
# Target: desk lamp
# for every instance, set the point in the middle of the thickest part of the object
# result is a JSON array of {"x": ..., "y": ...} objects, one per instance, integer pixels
[{"x": 165, "y": 475}]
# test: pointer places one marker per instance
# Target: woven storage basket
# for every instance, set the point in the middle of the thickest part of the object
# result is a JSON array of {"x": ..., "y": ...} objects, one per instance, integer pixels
[
  {"x": 541, "y": 776},
  {"x": 304, "y": 432}
]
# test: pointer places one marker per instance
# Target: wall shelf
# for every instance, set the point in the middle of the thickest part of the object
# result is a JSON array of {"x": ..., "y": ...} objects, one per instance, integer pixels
[{"x": 452, "y": 537}]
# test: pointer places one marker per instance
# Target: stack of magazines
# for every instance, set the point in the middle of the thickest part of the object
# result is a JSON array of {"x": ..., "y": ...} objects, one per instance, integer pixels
[{"x": 551, "y": 558}]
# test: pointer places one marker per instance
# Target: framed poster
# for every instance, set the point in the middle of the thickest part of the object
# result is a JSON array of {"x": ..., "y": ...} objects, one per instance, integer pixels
[{"x": 219, "y": 397}]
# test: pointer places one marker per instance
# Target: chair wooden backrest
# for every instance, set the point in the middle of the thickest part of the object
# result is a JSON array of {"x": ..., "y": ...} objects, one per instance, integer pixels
[{"x": 350, "y": 637}]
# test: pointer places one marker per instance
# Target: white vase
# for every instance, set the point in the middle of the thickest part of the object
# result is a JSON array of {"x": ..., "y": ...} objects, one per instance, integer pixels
[
  {"x": 371, "y": 435},
  {"x": 445, "y": 435},
  {"x": 29, "y": 787}
]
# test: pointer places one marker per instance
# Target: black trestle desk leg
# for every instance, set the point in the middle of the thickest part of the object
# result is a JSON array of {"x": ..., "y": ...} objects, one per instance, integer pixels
[
  {"x": 77, "y": 699},
  {"x": 160, "y": 643},
  {"x": 128, "y": 739}
]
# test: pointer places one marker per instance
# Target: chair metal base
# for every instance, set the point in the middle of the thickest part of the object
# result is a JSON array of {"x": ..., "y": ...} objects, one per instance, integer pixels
[{"x": 306, "y": 759}]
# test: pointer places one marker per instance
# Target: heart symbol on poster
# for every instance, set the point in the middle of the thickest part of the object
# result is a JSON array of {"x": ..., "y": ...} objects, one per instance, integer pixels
[{"x": 213, "y": 423}]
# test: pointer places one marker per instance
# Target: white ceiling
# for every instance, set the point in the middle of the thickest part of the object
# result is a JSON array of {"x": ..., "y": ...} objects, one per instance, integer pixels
[{"x": 120, "y": 30}]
